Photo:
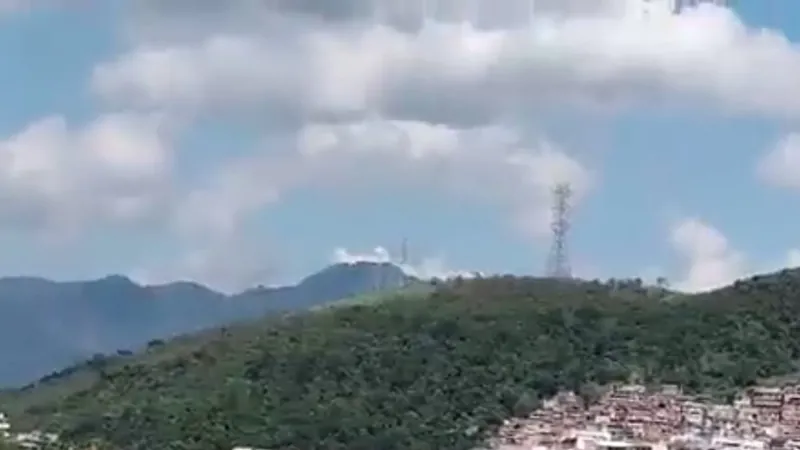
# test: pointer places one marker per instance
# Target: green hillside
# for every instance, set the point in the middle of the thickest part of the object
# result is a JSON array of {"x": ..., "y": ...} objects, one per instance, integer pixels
[
  {"x": 415, "y": 290},
  {"x": 425, "y": 372},
  {"x": 59, "y": 385}
]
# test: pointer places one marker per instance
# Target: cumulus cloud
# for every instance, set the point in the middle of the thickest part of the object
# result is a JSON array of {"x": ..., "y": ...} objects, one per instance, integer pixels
[
  {"x": 710, "y": 260},
  {"x": 455, "y": 72},
  {"x": 483, "y": 164},
  {"x": 426, "y": 269},
  {"x": 488, "y": 12},
  {"x": 59, "y": 180},
  {"x": 55, "y": 177},
  {"x": 490, "y": 164},
  {"x": 445, "y": 99}
]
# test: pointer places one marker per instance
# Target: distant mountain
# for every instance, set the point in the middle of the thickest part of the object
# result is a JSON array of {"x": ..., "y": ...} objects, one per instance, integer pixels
[{"x": 46, "y": 325}]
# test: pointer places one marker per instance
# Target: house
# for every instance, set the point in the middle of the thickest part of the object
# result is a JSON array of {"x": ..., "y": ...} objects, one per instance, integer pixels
[{"x": 5, "y": 426}]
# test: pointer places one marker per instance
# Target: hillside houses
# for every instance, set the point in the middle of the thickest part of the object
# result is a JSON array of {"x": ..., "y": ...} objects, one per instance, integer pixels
[
  {"x": 32, "y": 440},
  {"x": 634, "y": 417}
]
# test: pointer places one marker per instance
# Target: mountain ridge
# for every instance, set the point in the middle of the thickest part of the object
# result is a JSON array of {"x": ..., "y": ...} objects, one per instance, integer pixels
[{"x": 68, "y": 321}]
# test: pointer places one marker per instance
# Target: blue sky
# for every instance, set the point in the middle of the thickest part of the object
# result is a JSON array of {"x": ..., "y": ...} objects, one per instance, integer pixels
[{"x": 191, "y": 143}]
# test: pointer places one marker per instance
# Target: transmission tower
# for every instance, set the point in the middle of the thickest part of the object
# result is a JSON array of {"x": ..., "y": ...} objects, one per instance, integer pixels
[{"x": 558, "y": 261}]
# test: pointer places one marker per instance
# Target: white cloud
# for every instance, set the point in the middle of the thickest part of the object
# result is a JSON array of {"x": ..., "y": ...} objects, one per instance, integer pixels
[
  {"x": 711, "y": 261},
  {"x": 372, "y": 103},
  {"x": 308, "y": 68},
  {"x": 780, "y": 166},
  {"x": 483, "y": 164},
  {"x": 378, "y": 255},
  {"x": 56, "y": 178},
  {"x": 426, "y": 269},
  {"x": 58, "y": 181}
]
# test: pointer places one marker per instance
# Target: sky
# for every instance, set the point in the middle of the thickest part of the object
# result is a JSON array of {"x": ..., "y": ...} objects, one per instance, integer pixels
[{"x": 253, "y": 142}]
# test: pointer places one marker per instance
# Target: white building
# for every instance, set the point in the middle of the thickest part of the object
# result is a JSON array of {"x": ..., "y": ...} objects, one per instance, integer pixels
[
  {"x": 5, "y": 426},
  {"x": 35, "y": 439},
  {"x": 725, "y": 442}
]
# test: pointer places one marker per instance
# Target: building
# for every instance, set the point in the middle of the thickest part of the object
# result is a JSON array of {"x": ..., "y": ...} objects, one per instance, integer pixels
[
  {"x": 34, "y": 439},
  {"x": 766, "y": 397},
  {"x": 790, "y": 410},
  {"x": 724, "y": 442},
  {"x": 5, "y": 426},
  {"x": 694, "y": 414},
  {"x": 632, "y": 417}
]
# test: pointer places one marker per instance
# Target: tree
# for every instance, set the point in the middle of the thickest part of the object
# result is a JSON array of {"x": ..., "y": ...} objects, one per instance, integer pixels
[
  {"x": 525, "y": 404},
  {"x": 590, "y": 392}
]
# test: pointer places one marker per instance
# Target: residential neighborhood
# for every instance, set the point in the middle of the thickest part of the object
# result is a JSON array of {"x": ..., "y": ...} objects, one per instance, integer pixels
[
  {"x": 31, "y": 440},
  {"x": 633, "y": 417}
]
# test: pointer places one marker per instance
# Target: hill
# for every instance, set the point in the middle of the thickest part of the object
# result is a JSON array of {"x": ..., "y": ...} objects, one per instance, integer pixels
[
  {"x": 65, "y": 322},
  {"x": 430, "y": 372}
]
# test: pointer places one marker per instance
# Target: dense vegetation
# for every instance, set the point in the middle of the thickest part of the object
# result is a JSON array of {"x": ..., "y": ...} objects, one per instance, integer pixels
[
  {"x": 426, "y": 374},
  {"x": 60, "y": 322}
]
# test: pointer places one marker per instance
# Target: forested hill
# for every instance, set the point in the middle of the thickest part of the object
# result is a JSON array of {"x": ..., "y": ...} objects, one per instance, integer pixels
[
  {"x": 435, "y": 373},
  {"x": 64, "y": 322}
]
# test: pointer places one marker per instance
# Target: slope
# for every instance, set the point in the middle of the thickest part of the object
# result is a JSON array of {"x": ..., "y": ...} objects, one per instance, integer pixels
[
  {"x": 65, "y": 322},
  {"x": 435, "y": 373}
]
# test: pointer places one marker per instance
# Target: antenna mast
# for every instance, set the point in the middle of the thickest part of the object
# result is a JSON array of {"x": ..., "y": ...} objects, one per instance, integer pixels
[{"x": 558, "y": 261}]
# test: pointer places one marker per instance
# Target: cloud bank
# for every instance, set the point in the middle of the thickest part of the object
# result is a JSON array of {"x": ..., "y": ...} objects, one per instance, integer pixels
[{"x": 351, "y": 94}]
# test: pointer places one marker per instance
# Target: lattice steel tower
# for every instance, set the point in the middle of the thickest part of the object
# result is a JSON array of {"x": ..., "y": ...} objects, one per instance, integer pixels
[{"x": 558, "y": 260}]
